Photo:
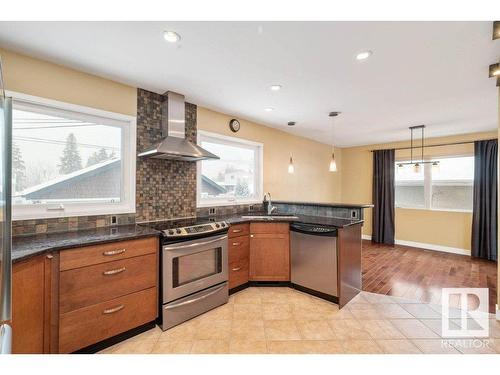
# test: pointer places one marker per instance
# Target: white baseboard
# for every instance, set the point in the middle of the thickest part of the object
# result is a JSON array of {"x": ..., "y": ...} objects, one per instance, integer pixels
[{"x": 427, "y": 246}]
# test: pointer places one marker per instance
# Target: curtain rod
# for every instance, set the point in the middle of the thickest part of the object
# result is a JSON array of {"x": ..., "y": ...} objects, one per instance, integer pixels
[{"x": 437, "y": 145}]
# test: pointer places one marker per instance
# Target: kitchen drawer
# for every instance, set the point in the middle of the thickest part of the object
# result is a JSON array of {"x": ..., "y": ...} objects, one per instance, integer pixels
[
  {"x": 89, "y": 325},
  {"x": 274, "y": 228},
  {"x": 238, "y": 230},
  {"x": 86, "y": 286},
  {"x": 239, "y": 248},
  {"x": 238, "y": 273},
  {"x": 89, "y": 255}
]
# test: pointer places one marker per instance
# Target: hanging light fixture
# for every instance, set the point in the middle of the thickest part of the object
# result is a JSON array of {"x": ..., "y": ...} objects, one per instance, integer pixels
[
  {"x": 417, "y": 165},
  {"x": 291, "y": 168},
  {"x": 333, "y": 163}
]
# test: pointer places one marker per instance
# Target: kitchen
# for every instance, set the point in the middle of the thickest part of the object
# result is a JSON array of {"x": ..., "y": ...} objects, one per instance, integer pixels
[{"x": 162, "y": 224}]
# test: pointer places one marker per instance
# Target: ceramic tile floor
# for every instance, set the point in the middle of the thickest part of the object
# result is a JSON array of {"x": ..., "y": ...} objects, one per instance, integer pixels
[{"x": 283, "y": 320}]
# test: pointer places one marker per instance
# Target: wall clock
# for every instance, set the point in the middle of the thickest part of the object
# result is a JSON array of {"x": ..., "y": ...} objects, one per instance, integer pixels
[{"x": 234, "y": 125}]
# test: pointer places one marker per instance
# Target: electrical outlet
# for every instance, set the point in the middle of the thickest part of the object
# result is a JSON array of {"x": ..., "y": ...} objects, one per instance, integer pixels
[
  {"x": 114, "y": 220},
  {"x": 212, "y": 211},
  {"x": 251, "y": 207}
]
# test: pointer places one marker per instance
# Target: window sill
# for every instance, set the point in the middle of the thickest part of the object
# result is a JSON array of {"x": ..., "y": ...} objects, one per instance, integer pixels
[
  {"x": 227, "y": 203},
  {"x": 433, "y": 209}
]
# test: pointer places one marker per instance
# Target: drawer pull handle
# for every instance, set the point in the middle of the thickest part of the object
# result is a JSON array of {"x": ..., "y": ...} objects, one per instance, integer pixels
[
  {"x": 114, "y": 252},
  {"x": 236, "y": 243},
  {"x": 237, "y": 230},
  {"x": 236, "y": 269},
  {"x": 251, "y": 235},
  {"x": 114, "y": 272},
  {"x": 113, "y": 309}
]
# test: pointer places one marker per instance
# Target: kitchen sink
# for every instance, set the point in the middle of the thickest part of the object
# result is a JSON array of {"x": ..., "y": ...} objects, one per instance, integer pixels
[{"x": 269, "y": 217}]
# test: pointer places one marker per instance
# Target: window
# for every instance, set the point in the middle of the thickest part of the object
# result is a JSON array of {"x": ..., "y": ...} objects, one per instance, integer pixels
[
  {"x": 69, "y": 160},
  {"x": 446, "y": 187},
  {"x": 236, "y": 177}
]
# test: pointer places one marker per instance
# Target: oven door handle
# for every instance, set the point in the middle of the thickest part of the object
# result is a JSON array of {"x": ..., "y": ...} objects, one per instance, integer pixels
[
  {"x": 177, "y": 247},
  {"x": 193, "y": 300}
]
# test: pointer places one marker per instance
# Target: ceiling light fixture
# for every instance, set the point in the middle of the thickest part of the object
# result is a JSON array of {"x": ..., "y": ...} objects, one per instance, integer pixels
[
  {"x": 333, "y": 163},
  {"x": 494, "y": 70},
  {"x": 171, "y": 36},
  {"x": 363, "y": 55},
  {"x": 496, "y": 30},
  {"x": 275, "y": 87},
  {"x": 418, "y": 164},
  {"x": 269, "y": 109},
  {"x": 291, "y": 168}
]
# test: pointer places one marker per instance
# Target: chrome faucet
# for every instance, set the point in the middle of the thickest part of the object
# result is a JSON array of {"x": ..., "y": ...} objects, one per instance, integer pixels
[{"x": 270, "y": 207}]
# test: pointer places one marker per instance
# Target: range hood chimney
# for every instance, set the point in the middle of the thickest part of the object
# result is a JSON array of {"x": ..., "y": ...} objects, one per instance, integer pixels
[{"x": 174, "y": 144}]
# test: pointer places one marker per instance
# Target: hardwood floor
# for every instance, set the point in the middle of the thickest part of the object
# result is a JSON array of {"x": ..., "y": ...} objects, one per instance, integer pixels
[{"x": 420, "y": 274}]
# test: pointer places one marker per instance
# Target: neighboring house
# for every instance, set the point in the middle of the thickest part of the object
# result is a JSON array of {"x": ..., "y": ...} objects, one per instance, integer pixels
[
  {"x": 99, "y": 181},
  {"x": 210, "y": 187}
]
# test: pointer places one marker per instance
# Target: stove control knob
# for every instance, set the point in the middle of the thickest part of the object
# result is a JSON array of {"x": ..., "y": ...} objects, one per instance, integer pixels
[
  {"x": 178, "y": 231},
  {"x": 217, "y": 225},
  {"x": 223, "y": 224},
  {"x": 170, "y": 232}
]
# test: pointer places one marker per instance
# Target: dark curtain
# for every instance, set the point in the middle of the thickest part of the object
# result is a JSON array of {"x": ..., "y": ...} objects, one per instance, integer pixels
[
  {"x": 484, "y": 216},
  {"x": 383, "y": 197}
]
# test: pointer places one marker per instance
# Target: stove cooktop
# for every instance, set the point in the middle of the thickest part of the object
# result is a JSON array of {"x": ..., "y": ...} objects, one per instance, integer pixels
[{"x": 189, "y": 227}]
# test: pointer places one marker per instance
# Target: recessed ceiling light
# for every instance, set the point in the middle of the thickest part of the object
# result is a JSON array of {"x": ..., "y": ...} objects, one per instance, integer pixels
[
  {"x": 269, "y": 109},
  {"x": 275, "y": 88},
  {"x": 171, "y": 36},
  {"x": 363, "y": 55}
]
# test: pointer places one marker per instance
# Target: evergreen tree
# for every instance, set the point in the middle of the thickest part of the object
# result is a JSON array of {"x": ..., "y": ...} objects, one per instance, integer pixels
[
  {"x": 241, "y": 189},
  {"x": 70, "y": 159},
  {"x": 18, "y": 169},
  {"x": 99, "y": 156}
]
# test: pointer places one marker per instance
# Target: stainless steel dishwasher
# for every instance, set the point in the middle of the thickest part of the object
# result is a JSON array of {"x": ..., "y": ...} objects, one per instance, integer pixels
[{"x": 314, "y": 259}]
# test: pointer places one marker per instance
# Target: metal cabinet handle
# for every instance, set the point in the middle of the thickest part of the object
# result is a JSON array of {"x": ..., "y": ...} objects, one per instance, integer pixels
[
  {"x": 237, "y": 230},
  {"x": 114, "y": 252},
  {"x": 236, "y": 243},
  {"x": 114, "y": 272},
  {"x": 113, "y": 309},
  {"x": 236, "y": 269},
  {"x": 251, "y": 235}
]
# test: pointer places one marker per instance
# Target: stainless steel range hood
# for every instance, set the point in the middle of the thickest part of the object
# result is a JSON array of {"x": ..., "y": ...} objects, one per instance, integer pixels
[{"x": 174, "y": 144}]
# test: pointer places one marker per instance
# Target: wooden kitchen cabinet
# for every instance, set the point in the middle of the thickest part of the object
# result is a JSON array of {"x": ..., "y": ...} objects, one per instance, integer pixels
[
  {"x": 269, "y": 252},
  {"x": 239, "y": 252},
  {"x": 33, "y": 300}
]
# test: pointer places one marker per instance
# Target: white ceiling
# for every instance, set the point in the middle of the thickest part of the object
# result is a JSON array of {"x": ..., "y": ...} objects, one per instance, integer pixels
[{"x": 433, "y": 73}]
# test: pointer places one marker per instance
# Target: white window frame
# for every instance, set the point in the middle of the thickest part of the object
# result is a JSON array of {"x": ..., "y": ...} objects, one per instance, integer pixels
[
  {"x": 428, "y": 185},
  {"x": 128, "y": 160},
  {"x": 259, "y": 170}
]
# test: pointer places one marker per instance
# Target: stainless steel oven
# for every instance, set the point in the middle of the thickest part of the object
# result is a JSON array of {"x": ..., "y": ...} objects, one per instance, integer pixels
[{"x": 191, "y": 266}]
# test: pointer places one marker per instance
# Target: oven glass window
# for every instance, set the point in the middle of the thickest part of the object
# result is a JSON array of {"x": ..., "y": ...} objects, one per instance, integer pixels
[{"x": 192, "y": 267}]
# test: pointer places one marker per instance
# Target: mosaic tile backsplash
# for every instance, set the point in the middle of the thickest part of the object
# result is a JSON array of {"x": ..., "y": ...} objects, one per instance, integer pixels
[{"x": 165, "y": 189}]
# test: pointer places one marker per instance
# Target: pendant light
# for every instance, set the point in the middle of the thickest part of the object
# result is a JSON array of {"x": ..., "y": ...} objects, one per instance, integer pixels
[
  {"x": 417, "y": 165},
  {"x": 333, "y": 163},
  {"x": 291, "y": 168}
]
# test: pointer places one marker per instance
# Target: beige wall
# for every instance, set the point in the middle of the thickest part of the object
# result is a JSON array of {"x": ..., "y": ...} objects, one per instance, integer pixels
[
  {"x": 311, "y": 181},
  {"x": 41, "y": 78},
  {"x": 444, "y": 228}
]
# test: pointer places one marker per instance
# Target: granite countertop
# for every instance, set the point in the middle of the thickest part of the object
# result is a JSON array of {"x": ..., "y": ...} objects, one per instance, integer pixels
[
  {"x": 24, "y": 247},
  {"x": 304, "y": 219},
  {"x": 341, "y": 205}
]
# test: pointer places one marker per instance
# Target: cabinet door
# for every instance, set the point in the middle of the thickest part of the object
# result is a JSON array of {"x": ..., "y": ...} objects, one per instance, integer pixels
[
  {"x": 269, "y": 257},
  {"x": 28, "y": 300}
]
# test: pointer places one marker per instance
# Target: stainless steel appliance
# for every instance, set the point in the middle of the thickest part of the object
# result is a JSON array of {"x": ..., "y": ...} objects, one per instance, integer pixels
[
  {"x": 314, "y": 259},
  {"x": 5, "y": 219},
  {"x": 194, "y": 264}
]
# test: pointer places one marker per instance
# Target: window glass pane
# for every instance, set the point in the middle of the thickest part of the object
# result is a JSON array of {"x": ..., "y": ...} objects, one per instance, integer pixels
[
  {"x": 234, "y": 176},
  {"x": 452, "y": 183},
  {"x": 409, "y": 186},
  {"x": 62, "y": 159}
]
